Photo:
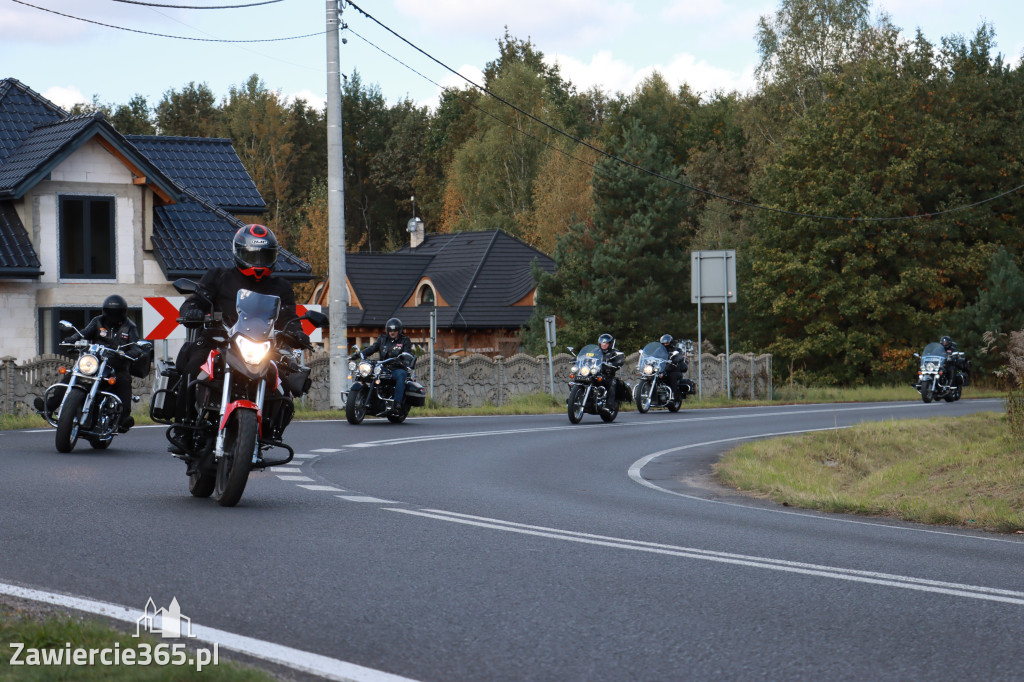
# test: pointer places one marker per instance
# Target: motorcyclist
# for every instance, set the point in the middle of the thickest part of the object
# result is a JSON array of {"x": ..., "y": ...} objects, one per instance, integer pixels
[
  {"x": 111, "y": 328},
  {"x": 676, "y": 366},
  {"x": 254, "y": 249},
  {"x": 957, "y": 363},
  {"x": 611, "y": 361},
  {"x": 391, "y": 344}
]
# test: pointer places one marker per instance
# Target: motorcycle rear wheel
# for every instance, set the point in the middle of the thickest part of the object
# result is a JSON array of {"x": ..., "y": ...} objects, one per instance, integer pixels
[
  {"x": 675, "y": 404},
  {"x": 67, "y": 425},
  {"x": 202, "y": 483},
  {"x": 575, "y": 404},
  {"x": 233, "y": 468},
  {"x": 101, "y": 443},
  {"x": 642, "y": 396},
  {"x": 355, "y": 406},
  {"x": 609, "y": 416}
]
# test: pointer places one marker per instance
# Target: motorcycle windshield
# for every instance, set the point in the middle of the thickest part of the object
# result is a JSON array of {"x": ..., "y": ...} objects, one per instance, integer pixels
[
  {"x": 653, "y": 354},
  {"x": 257, "y": 314},
  {"x": 933, "y": 350},
  {"x": 589, "y": 356}
]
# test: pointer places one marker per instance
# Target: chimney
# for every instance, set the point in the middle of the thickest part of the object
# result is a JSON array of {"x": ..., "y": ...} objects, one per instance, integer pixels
[{"x": 417, "y": 232}]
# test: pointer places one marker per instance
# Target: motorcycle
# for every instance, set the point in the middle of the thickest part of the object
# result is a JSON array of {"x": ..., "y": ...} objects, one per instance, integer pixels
[
  {"x": 652, "y": 389},
  {"x": 373, "y": 389},
  {"x": 243, "y": 395},
  {"x": 939, "y": 376},
  {"x": 86, "y": 410},
  {"x": 588, "y": 387}
]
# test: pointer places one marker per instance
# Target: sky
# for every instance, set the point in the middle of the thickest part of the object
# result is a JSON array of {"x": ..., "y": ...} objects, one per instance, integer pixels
[{"x": 609, "y": 44}]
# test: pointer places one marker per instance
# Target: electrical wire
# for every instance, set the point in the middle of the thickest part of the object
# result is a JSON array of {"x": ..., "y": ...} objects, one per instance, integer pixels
[
  {"x": 733, "y": 200},
  {"x": 164, "y": 35},
  {"x": 156, "y": 4}
]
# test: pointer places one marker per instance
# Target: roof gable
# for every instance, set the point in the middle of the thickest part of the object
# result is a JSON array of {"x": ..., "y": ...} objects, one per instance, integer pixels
[{"x": 209, "y": 167}]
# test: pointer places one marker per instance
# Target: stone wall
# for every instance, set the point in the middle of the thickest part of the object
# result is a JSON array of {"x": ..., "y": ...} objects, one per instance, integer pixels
[{"x": 459, "y": 382}]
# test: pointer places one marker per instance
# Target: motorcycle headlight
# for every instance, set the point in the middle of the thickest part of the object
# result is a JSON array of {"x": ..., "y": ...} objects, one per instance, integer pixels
[
  {"x": 252, "y": 352},
  {"x": 364, "y": 369},
  {"x": 351, "y": 366},
  {"x": 584, "y": 371},
  {"x": 377, "y": 370},
  {"x": 88, "y": 364},
  {"x": 648, "y": 370},
  {"x": 931, "y": 367}
]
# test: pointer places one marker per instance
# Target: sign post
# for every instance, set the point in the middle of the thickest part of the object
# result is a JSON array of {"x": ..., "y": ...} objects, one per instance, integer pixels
[
  {"x": 549, "y": 336},
  {"x": 713, "y": 280},
  {"x": 433, "y": 339}
]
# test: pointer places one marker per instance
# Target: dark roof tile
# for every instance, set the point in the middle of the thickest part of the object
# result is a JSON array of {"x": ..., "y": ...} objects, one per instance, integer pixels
[
  {"x": 17, "y": 257},
  {"x": 207, "y": 166}
]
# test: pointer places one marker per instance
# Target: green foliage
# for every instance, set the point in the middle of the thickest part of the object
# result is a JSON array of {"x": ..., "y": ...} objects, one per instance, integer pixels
[
  {"x": 996, "y": 309},
  {"x": 622, "y": 270}
]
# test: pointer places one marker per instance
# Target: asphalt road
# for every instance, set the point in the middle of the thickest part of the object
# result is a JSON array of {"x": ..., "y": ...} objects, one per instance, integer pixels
[{"x": 524, "y": 548}]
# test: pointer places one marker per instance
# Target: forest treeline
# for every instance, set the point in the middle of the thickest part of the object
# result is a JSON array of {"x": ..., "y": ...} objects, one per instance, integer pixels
[{"x": 835, "y": 180}]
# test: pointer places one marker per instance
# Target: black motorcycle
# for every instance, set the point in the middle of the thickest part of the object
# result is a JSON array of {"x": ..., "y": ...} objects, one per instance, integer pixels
[
  {"x": 939, "y": 377},
  {"x": 652, "y": 389},
  {"x": 373, "y": 388},
  {"x": 86, "y": 410},
  {"x": 588, "y": 386},
  {"x": 242, "y": 398}
]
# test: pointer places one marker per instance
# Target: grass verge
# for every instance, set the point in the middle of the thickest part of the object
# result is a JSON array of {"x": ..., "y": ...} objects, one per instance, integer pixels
[
  {"x": 60, "y": 634},
  {"x": 965, "y": 471}
]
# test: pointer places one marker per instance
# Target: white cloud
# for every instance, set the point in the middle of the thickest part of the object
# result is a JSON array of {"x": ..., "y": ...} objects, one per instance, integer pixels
[
  {"x": 65, "y": 97},
  {"x": 314, "y": 100}
]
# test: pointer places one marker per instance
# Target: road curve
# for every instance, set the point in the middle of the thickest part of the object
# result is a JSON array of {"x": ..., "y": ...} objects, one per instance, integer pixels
[{"x": 510, "y": 548}]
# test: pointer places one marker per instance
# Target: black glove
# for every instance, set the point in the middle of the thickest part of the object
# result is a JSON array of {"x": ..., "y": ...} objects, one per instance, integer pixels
[
  {"x": 302, "y": 338},
  {"x": 193, "y": 315}
]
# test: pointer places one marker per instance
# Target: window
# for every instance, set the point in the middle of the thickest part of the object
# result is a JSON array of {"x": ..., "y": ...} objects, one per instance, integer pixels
[
  {"x": 426, "y": 295},
  {"x": 51, "y": 333},
  {"x": 86, "y": 229}
]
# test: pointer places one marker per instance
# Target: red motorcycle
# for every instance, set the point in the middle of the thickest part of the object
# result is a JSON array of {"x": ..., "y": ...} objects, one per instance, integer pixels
[{"x": 242, "y": 398}]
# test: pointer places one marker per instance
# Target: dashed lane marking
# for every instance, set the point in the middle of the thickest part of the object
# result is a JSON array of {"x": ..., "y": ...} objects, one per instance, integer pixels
[
  {"x": 294, "y": 478},
  {"x": 365, "y": 498}
]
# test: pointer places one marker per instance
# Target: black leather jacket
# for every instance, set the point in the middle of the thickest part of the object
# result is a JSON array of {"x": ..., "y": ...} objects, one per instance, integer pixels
[
  {"x": 222, "y": 285},
  {"x": 388, "y": 347},
  {"x": 613, "y": 357},
  {"x": 100, "y": 331}
]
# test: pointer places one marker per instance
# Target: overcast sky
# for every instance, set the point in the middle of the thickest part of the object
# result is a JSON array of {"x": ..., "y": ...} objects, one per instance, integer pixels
[{"x": 611, "y": 44}]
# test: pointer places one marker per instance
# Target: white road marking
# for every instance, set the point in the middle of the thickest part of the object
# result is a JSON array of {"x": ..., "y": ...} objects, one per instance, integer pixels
[
  {"x": 329, "y": 488},
  {"x": 365, "y": 498},
  {"x": 635, "y": 468},
  {"x": 287, "y": 470},
  {"x": 870, "y": 577},
  {"x": 305, "y": 456},
  {"x": 326, "y": 450},
  {"x": 296, "y": 659},
  {"x": 294, "y": 478}
]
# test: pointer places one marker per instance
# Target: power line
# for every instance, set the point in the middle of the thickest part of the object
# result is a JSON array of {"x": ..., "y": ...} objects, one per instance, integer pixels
[
  {"x": 164, "y": 35},
  {"x": 741, "y": 202},
  {"x": 156, "y": 4}
]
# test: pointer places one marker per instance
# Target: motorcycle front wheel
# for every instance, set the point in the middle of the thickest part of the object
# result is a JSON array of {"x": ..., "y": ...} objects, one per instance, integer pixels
[
  {"x": 642, "y": 396},
  {"x": 355, "y": 406},
  {"x": 575, "y": 404},
  {"x": 67, "y": 424},
  {"x": 233, "y": 468},
  {"x": 926, "y": 393}
]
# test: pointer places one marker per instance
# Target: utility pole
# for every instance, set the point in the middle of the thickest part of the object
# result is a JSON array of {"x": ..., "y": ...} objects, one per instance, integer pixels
[{"x": 338, "y": 306}]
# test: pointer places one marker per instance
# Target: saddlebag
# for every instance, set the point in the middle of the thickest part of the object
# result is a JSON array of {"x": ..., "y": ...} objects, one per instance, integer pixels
[
  {"x": 141, "y": 365},
  {"x": 298, "y": 382},
  {"x": 623, "y": 391},
  {"x": 162, "y": 403},
  {"x": 415, "y": 393}
]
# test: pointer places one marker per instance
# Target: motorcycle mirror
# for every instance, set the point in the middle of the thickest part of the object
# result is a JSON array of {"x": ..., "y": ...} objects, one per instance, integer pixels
[
  {"x": 185, "y": 286},
  {"x": 571, "y": 349},
  {"x": 355, "y": 348},
  {"x": 66, "y": 325},
  {"x": 317, "y": 319},
  {"x": 146, "y": 345},
  {"x": 917, "y": 356}
]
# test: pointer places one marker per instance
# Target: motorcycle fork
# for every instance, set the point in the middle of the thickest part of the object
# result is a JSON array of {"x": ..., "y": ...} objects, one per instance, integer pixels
[
  {"x": 226, "y": 408},
  {"x": 91, "y": 397}
]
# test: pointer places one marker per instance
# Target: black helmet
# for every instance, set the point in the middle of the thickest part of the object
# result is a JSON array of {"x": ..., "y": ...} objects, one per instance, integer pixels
[
  {"x": 115, "y": 309},
  {"x": 666, "y": 339},
  {"x": 945, "y": 340},
  {"x": 606, "y": 338},
  {"x": 255, "y": 250},
  {"x": 393, "y": 325}
]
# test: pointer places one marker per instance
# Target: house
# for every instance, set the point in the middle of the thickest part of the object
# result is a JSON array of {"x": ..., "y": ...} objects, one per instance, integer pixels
[
  {"x": 86, "y": 212},
  {"x": 480, "y": 284}
]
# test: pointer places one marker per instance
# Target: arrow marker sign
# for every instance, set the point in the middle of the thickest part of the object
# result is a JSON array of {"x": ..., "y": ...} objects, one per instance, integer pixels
[{"x": 160, "y": 315}]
